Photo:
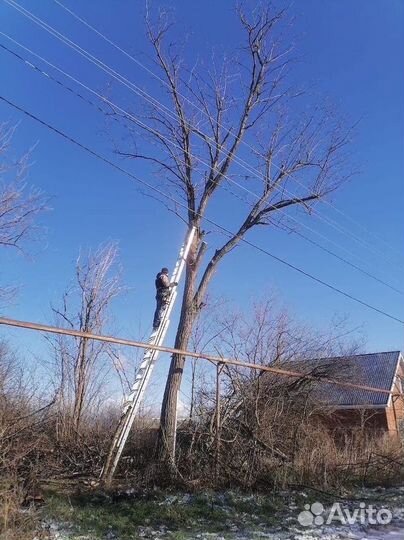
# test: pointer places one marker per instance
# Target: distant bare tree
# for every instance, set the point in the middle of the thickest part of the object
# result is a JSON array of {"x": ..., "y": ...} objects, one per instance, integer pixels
[
  {"x": 264, "y": 416},
  {"x": 19, "y": 205},
  {"x": 85, "y": 307},
  {"x": 295, "y": 155}
]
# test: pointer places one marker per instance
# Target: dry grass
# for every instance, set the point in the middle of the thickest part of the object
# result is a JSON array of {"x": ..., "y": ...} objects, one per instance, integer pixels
[
  {"x": 313, "y": 458},
  {"x": 269, "y": 438}
]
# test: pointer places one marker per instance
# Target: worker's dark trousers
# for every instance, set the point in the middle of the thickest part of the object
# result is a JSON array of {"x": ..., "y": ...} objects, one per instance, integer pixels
[{"x": 162, "y": 301}]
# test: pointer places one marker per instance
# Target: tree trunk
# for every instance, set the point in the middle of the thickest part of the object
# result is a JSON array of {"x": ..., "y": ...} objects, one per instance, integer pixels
[
  {"x": 80, "y": 386},
  {"x": 189, "y": 312}
]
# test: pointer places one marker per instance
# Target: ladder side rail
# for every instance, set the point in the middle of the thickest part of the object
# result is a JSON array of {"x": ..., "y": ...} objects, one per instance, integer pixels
[
  {"x": 151, "y": 354},
  {"x": 142, "y": 383},
  {"x": 158, "y": 339},
  {"x": 138, "y": 398},
  {"x": 134, "y": 407},
  {"x": 179, "y": 267},
  {"x": 145, "y": 370},
  {"x": 131, "y": 414},
  {"x": 183, "y": 257}
]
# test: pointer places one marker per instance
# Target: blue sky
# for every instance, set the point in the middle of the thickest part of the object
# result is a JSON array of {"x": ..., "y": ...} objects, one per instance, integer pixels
[{"x": 350, "y": 53}]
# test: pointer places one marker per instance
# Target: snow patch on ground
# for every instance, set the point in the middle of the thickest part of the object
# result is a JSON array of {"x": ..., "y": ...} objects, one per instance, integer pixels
[{"x": 247, "y": 526}]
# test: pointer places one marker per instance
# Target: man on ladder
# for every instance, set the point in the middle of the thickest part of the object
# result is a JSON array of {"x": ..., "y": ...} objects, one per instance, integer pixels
[
  {"x": 163, "y": 287},
  {"x": 166, "y": 295}
]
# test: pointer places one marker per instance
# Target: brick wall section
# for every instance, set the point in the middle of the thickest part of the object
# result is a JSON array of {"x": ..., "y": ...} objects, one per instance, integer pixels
[{"x": 395, "y": 413}]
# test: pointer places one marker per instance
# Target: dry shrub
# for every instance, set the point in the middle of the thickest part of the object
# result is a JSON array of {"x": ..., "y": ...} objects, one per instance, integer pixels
[
  {"x": 270, "y": 433},
  {"x": 274, "y": 430},
  {"x": 16, "y": 522},
  {"x": 23, "y": 445},
  {"x": 277, "y": 435},
  {"x": 325, "y": 460}
]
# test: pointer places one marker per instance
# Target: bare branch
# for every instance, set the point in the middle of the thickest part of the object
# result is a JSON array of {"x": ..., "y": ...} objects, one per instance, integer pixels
[{"x": 19, "y": 204}]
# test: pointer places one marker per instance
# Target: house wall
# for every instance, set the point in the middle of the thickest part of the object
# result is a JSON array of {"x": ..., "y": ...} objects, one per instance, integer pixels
[{"x": 395, "y": 412}]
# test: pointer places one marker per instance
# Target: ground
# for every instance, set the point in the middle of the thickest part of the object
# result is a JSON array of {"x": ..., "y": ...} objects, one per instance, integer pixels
[{"x": 129, "y": 515}]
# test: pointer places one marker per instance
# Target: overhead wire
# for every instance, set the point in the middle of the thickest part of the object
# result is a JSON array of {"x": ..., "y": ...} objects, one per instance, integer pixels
[
  {"x": 140, "y": 92},
  {"x": 195, "y": 106},
  {"x": 114, "y": 105},
  {"x": 228, "y": 232}
]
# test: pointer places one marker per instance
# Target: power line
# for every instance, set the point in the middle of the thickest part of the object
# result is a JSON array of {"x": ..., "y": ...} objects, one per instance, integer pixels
[
  {"x": 147, "y": 96},
  {"x": 144, "y": 95},
  {"x": 161, "y": 80},
  {"x": 45, "y": 74},
  {"x": 346, "y": 261},
  {"x": 221, "y": 227},
  {"x": 104, "y": 99},
  {"x": 172, "y": 350}
]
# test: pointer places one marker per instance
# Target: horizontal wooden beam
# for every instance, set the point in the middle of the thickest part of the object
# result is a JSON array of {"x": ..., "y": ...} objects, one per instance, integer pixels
[{"x": 198, "y": 355}]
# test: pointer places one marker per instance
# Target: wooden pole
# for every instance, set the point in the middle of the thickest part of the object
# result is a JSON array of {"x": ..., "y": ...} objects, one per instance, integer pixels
[{"x": 219, "y": 367}]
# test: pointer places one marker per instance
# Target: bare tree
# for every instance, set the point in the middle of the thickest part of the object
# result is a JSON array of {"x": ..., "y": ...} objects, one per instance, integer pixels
[
  {"x": 85, "y": 306},
  {"x": 295, "y": 157},
  {"x": 19, "y": 205},
  {"x": 260, "y": 418}
]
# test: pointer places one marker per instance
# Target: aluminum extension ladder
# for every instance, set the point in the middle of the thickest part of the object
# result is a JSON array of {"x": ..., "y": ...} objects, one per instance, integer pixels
[{"x": 144, "y": 372}]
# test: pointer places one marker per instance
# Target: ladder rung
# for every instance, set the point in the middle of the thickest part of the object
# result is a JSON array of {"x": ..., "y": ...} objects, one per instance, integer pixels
[{"x": 133, "y": 400}]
